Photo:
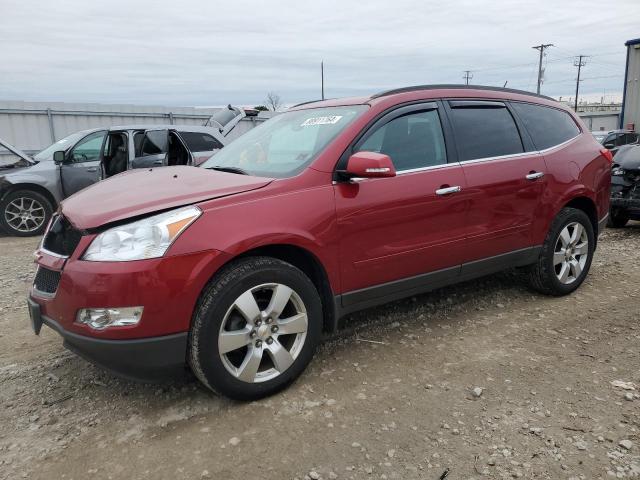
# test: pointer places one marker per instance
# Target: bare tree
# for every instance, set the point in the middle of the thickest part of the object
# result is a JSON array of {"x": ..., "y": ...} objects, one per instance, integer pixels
[{"x": 274, "y": 101}]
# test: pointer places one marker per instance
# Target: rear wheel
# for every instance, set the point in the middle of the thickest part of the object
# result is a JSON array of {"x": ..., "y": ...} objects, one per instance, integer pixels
[
  {"x": 255, "y": 328},
  {"x": 24, "y": 213},
  {"x": 566, "y": 254},
  {"x": 618, "y": 218}
]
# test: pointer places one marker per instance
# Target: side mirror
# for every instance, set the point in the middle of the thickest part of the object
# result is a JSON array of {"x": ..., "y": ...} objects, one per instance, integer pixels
[
  {"x": 609, "y": 145},
  {"x": 58, "y": 157},
  {"x": 370, "y": 165}
]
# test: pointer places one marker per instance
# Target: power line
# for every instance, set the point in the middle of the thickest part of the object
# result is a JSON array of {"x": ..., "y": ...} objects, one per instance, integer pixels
[
  {"x": 542, "y": 47},
  {"x": 467, "y": 76},
  {"x": 578, "y": 63}
]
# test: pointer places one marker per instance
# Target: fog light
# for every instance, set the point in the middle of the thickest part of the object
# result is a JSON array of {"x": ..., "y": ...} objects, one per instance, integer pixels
[{"x": 101, "y": 318}]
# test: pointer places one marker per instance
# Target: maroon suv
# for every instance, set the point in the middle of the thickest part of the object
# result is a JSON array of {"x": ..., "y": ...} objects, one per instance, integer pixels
[{"x": 237, "y": 268}]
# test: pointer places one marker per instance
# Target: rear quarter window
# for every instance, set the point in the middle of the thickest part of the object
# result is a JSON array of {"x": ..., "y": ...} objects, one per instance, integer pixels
[{"x": 547, "y": 126}]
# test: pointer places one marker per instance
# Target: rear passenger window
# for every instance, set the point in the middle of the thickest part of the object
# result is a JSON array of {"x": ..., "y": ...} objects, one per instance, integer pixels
[
  {"x": 200, "y": 142},
  {"x": 412, "y": 141},
  {"x": 547, "y": 126},
  {"x": 484, "y": 130}
]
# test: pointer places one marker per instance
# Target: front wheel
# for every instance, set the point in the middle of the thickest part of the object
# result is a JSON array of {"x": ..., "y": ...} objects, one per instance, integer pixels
[
  {"x": 255, "y": 328},
  {"x": 24, "y": 213},
  {"x": 566, "y": 254}
]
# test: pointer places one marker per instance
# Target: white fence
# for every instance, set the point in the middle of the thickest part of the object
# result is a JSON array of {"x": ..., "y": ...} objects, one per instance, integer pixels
[{"x": 32, "y": 126}]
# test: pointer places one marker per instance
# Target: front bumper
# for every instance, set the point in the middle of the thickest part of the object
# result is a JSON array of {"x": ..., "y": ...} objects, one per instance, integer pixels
[
  {"x": 140, "y": 359},
  {"x": 168, "y": 288}
]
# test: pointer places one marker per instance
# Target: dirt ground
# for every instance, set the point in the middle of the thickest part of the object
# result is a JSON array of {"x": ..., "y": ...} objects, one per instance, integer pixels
[{"x": 560, "y": 380}]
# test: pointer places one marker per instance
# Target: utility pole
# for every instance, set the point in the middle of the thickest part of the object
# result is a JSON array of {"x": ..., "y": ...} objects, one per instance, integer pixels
[
  {"x": 578, "y": 63},
  {"x": 542, "y": 48},
  {"x": 467, "y": 76},
  {"x": 322, "y": 77}
]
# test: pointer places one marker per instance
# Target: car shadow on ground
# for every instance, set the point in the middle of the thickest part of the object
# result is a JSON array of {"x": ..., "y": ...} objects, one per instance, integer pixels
[{"x": 440, "y": 309}]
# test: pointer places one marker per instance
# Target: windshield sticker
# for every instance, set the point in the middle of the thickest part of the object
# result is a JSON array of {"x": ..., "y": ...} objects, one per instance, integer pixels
[{"x": 321, "y": 120}]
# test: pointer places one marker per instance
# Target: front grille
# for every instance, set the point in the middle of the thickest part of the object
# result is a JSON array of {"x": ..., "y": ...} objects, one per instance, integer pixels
[
  {"x": 46, "y": 280},
  {"x": 62, "y": 238}
]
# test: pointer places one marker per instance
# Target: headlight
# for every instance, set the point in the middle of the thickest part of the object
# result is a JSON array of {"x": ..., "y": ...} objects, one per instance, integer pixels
[
  {"x": 147, "y": 238},
  {"x": 617, "y": 171}
]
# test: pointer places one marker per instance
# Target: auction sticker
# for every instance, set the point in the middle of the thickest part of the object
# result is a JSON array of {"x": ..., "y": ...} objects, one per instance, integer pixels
[{"x": 330, "y": 120}]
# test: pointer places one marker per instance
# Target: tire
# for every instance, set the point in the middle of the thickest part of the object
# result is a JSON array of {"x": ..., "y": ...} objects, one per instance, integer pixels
[
  {"x": 280, "y": 357},
  {"x": 618, "y": 218},
  {"x": 546, "y": 274},
  {"x": 36, "y": 208}
]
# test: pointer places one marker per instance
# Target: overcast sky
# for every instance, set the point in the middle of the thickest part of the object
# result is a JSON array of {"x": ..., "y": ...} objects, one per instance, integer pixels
[{"x": 204, "y": 52}]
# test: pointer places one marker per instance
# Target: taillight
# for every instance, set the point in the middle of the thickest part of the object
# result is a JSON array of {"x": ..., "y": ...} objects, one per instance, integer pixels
[{"x": 607, "y": 154}]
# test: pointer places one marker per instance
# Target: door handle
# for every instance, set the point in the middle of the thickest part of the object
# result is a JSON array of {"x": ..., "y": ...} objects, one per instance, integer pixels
[
  {"x": 448, "y": 190},
  {"x": 534, "y": 175},
  {"x": 92, "y": 169}
]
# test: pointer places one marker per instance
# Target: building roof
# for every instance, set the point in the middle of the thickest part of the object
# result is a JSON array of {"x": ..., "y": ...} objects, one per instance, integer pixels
[{"x": 635, "y": 41}]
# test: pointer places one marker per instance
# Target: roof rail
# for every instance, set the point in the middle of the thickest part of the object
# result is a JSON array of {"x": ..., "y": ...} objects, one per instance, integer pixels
[
  {"x": 457, "y": 86},
  {"x": 310, "y": 101}
]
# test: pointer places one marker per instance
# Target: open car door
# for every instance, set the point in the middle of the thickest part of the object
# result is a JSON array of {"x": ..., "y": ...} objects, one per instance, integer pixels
[{"x": 153, "y": 151}]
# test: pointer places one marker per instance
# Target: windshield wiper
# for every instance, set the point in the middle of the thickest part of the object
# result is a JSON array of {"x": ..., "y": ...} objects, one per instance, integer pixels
[{"x": 221, "y": 168}]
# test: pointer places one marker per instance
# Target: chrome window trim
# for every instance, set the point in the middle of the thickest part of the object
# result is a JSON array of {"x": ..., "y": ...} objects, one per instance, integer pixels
[
  {"x": 566, "y": 142},
  {"x": 523, "y": 154},
  {"x": 430, "y": 167},
  {"x": 477, "y": 160}
]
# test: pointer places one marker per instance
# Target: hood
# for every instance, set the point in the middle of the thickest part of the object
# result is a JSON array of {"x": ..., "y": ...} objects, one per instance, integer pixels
[
  {"x": 628, "y": 157},
  {"x": 139, "y": 192},
  {"x": 25, "y": 160}
]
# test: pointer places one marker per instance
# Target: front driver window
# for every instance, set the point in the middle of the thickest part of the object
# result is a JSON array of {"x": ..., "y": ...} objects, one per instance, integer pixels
[
  {"x": 412, "y": 141},
  {"x": 88, "y": 149}
]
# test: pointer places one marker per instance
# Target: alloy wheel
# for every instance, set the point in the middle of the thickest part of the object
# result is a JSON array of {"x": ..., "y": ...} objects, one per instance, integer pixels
[
  {"x": 24, "y": 214},
  {"x": 571, "y": 253},
  {"x": 263, "y": 332}
]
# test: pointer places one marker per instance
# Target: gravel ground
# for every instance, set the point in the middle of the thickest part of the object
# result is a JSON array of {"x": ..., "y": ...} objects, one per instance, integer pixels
[{"x": 483, "y": 379}]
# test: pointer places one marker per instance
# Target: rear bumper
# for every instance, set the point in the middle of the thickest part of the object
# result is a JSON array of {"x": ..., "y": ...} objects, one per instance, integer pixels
[
  {"x": 148, "y": 359},
  {"x": 625, "y": 202}
]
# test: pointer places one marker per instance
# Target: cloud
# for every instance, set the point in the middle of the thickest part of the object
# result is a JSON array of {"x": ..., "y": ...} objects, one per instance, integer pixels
[{"x": 199, "y": 52}]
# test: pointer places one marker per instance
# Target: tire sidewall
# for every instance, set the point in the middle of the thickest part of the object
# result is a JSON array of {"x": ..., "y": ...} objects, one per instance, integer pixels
[
  {"x": 212, "y": 311},
  {"x": 48, "y": 211},
  {"x": 583, "y": 219}
]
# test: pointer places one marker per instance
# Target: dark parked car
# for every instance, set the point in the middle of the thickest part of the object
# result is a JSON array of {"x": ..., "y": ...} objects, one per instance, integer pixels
[
  {"x": 625, "y": 187},
  {"x": 238, "y": 268},
  {"x": 614, "y": 139},
  {"x": 32, "y": 187}
]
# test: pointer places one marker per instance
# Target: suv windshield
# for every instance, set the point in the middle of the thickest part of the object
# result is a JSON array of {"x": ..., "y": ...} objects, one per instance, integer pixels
[
  {"x": 64, "y": 144},
  {"x": 286, "y": 144}
]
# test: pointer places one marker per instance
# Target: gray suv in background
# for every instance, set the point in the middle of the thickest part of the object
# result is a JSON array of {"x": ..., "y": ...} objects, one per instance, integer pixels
[{"x": 32, "y": 187}]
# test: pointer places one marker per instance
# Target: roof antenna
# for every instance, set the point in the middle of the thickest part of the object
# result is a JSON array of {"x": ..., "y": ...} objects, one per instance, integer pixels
[{"x": 505, "y": 84}]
